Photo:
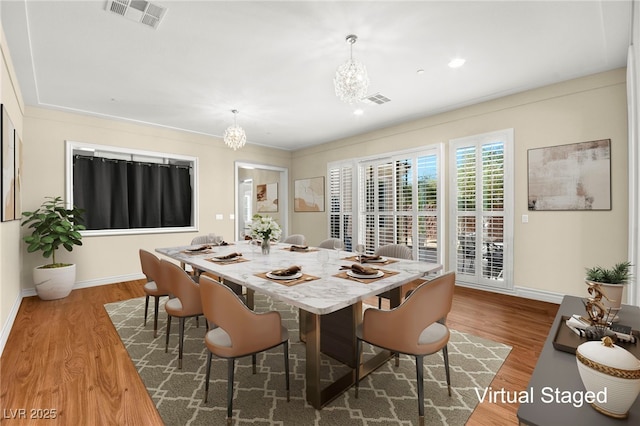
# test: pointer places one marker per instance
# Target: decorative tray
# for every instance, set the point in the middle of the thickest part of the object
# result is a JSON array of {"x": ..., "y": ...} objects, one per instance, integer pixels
[{"x": 567, "y": 340}]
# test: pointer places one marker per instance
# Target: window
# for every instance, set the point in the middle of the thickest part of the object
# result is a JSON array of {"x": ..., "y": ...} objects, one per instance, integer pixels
[
  {"x": 340, "y": 196},
  {"x": 126, "y": 191},
  {"x": 397, "y": 200},
  {"x": 482, "y": 197}
]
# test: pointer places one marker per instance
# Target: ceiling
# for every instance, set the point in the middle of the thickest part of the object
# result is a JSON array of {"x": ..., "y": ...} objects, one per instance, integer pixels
[{"x": 274, "y": 61}]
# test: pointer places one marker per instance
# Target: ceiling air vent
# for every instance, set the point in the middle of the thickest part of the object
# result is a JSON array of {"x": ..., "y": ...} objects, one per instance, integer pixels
[
  {"x": 376, "y": 98},
  {"x": 138, "y": 10}
]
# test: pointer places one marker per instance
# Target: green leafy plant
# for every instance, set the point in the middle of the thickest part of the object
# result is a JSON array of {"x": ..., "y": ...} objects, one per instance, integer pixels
[
  {"x": 53, "y": 226},
  {"x": 618, "y": 274}
]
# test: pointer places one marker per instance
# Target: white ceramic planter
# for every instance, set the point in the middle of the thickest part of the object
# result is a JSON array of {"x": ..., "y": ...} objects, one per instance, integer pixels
[
  {"x": 604, "y": 366},
  {"x": 612, "y": 291},
  {"x": 54, "y": 283}
]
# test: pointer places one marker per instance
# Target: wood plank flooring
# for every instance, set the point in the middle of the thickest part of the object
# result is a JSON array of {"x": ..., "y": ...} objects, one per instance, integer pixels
[{"x": 65, "y": 355}]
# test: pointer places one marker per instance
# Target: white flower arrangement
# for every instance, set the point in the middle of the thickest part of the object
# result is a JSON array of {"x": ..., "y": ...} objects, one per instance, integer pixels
[{"x": 265, "y": 228}]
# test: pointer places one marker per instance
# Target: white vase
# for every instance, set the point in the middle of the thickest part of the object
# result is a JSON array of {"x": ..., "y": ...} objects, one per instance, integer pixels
[
  {"x": 613, "y": 293},
  {"x": 612, "y": 372},
  {"x": 54, "y": 283}
]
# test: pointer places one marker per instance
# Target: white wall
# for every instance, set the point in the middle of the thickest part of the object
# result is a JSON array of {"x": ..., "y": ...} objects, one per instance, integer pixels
[{"x": 552, "y": 250}]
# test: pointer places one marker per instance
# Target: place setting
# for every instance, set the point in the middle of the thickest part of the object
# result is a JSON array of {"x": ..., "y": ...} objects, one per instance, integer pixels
[
  {"x": 201, "y": 249},
  {"x": 290, "y": 276},
  {"x": 363, "y": 274},
  {"x": 299, "y": 248},
  {"x": 228, "y": 258}
]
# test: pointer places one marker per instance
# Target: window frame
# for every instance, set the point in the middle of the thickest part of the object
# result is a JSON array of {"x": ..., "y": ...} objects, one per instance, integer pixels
[
  {"x": 134, "y": 155},
  {"x": 478, "y": 141},
  {"x": 356, "y": 214}
]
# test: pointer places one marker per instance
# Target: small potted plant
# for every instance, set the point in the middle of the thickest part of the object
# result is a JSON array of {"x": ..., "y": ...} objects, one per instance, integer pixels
[
  {"x": 53, "y": 226},
  {"x": 611, "y": 281}
]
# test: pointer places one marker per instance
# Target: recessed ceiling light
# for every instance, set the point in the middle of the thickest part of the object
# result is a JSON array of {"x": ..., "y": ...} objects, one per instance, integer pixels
[
  {"x": 420, "y": 71},
  {"x": 358, "y": 111},
  {"x": 456, "y": 63}
]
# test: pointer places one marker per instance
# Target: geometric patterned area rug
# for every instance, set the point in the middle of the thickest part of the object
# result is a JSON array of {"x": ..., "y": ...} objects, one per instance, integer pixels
[{"x": 388, "y": 396}]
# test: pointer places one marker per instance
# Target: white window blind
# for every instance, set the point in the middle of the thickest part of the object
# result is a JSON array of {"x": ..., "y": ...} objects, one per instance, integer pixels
[
  {"x": 340, "y": 194},
  {"x": 483, "y": 223}
]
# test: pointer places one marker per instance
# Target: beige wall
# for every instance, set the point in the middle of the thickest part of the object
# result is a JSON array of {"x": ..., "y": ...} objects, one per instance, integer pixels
[
  {"x": 10, "y": 242},
  {"x": 552, "y": 250},
  {"x": 110, "y": 258}
]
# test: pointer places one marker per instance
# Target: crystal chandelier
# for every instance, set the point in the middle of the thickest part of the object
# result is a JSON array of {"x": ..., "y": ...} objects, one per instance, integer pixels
[
  {"x": 351, "y": 81},
  {"x": 234, "y": 136}
]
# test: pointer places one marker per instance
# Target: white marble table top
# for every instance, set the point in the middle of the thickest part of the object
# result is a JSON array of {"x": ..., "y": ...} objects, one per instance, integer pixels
[{"x": 321, "y": 296}]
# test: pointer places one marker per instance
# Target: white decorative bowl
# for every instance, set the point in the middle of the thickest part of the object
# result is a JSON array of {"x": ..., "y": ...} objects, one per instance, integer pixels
[{"x": 609, "y": 370}]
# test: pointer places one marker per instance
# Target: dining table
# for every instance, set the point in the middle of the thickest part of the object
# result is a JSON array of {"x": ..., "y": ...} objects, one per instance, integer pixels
[{"x": 327, "y": 290}]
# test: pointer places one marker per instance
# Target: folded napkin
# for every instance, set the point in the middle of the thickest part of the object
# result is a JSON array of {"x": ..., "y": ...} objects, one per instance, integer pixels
[
  {"x": 361, "y": 270},
  {"x": 369, "y": 257},
  {"x": 201, "y": 248},
  {"x": 291, "y": 270},
  {"x": 229, "y": 256},
  {"x": 298, "y": 248}
]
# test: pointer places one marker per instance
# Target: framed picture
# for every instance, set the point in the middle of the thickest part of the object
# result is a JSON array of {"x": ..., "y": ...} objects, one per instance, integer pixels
[
  {"x": 8, "y": 166},
  {"x": 309, "y": 195},
  {"x": 267, "y": 197},
  {"x": 570, "y": 177}
]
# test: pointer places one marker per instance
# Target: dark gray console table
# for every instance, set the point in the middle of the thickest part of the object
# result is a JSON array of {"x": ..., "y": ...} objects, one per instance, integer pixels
[{"x": 557, "y": 369}]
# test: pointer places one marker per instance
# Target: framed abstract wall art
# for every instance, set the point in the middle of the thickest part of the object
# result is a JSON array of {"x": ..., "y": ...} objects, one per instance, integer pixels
[
  {"x": 267, "y": 197},
  {"x": 570, "y": 177},
  {"x": 8, "y": 167},
  {"x": 309, "y": 195}
]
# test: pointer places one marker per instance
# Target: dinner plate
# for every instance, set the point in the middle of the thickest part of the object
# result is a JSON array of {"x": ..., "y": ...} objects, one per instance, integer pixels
[
  {"x": 284, "y": 277},
  {"x": 381, "y": 260},
  {"x": 197, "y": 249},
  {"x": 229, "y": 259},
  {"x": 368, "y": 276}
]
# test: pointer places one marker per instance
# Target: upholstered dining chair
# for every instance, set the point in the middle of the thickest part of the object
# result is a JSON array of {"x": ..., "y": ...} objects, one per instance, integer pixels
[
  {"x": 238, "y": 332},
  {"x": 399, "y": 251},
  {"x": 155, "y": 286},
  {"x": 416, "y": 327},
  {"x": 296, "y": 239},
  {"x": 328, "y": 243},
  {"x": 185, "y": 304}
]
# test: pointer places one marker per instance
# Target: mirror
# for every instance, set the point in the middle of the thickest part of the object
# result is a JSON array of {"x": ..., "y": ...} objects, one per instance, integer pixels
[{"x": 260, "y": 189}]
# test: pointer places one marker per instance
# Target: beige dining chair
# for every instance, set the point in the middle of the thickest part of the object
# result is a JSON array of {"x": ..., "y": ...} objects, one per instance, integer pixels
[
  {"x": 399, "y": 251},
  {"x": 295, "y": 239},
  {"x": 328, "y": 243},
  {"x": 417, "y": 328},
  {"x": 185, "y": 304},
  {"x": 154, "y": 287},
  {"x": 238, "y": 332}
]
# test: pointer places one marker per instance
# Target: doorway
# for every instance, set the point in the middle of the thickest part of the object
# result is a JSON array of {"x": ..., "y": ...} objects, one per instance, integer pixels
[{"x": 260, "y": 189}]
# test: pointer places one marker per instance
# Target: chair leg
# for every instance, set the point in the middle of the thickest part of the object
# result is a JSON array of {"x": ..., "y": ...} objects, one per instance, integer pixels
[
  {"x": 286, "y": 367},
  {"x": 379, "y": 302},
  {"x": 358, "y": 362},
  {"x": 207, "y": 377},
  {"x": 445, "y": 355},
  {"x": 420, "y": 380},
  {"x": 181, "y": 343},
  {"x": 253, "y": 363},
  {"x": 146, "y": 308},
  {"x": 166, "y": 344},
  {"x": 155, "y": 316},
  {"x": 231, "y": 363}
]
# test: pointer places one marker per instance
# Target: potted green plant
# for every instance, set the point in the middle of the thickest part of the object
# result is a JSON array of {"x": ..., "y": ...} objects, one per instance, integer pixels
[
  {"x": 611, "y": 281},
  {"x": 53, "y": 226}
]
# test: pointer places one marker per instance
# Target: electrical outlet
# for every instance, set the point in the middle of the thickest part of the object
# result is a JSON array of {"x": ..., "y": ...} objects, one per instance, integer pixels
[{"x": 525, "y": 218}]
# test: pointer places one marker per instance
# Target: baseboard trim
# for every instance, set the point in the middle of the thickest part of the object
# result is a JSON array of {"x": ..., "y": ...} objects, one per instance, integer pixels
[
  {"x": 524, "y": 292},
  {"x": 8, "y": 325}
]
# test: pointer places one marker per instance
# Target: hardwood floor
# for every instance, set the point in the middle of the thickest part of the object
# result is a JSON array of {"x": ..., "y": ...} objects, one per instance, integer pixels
[{"x": 65, "y": 355}]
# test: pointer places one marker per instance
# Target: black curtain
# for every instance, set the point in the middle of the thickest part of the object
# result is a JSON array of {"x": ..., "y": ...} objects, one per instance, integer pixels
[{"x": 119, "y": 194}]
